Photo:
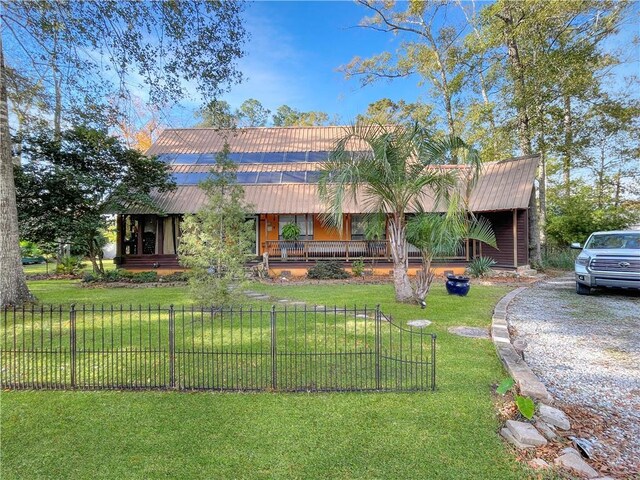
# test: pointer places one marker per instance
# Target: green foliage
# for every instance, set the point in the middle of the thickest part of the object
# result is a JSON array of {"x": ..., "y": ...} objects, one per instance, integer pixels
[
  {"x": 69, "y": 265},
  {"x": 291, "y": 231},
  {"x": 65, "y": 186},
  {"x": 30, "y": 249},
  {"x": 573, "y": 218},
  {"x": 286, "y": 116},
  {"x": 480, "y": 266},
  {"x": 357, "y": 268},
  {"x": 559, "y": 257},
  {"x": 526, "y": 407},
  {"x": 216, "y": 114},
  {"x": 330, "y": 270},
  {"x": 217, "y": 239},
  {"x": 505, "y": 385}
]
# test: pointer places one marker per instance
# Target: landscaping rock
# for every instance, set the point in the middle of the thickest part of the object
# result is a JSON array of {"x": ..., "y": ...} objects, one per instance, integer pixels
[
  {"x": 526, "y": 433},
  {"x": 553, "y": 416},
  {"x": 538, "y": 463},
  {"x": 506, "y": 433},
  {"x": 573, "y": 462},
  {"x": 547, "y": 431}
]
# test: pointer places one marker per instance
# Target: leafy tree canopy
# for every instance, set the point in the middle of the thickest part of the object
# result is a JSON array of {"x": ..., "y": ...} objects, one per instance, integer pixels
[{"x": 66, "y": 186}]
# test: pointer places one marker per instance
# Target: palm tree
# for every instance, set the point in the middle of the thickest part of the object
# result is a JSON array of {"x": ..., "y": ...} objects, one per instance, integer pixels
[
  {"x": 392, "y": 170},
  {"x": 440, "y": 235}
]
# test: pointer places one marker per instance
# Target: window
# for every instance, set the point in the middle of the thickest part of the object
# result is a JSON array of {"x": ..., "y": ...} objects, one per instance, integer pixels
[
  {"x": 186, "y": 158},
  {"x": 293, "y": 177},
  {"x": 269, "y": 177},
  {"x": 359, "y": 224},
  {"x": 305, "y": 222}
]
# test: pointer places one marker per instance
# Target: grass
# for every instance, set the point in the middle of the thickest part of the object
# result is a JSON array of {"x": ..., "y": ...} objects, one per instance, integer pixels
[
  {"x": 50, "y": 268},
  {"x": 451, "y": 433}
]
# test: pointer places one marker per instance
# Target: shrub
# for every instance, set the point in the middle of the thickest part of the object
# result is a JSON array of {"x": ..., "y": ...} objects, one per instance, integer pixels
[
  {"x": 562, "y": 258},
  {"x": 144, "y": 277},
  {"x": 69, "y": 265},
  {"x": 358, "y": 268},
  {"x": 174, "y": 277},
  {"x": 481, "y": 266},
  {"x": 327, "y": 271}
]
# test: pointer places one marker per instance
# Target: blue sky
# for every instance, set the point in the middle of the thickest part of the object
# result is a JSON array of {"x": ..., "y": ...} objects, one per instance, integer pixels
[
  {"x": 294, "y": 53},
  {"x": 296, "y": 48}
]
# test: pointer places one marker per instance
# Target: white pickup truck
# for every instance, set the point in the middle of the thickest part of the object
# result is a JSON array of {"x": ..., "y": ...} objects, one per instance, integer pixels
[{"x": 608, "y": 259}]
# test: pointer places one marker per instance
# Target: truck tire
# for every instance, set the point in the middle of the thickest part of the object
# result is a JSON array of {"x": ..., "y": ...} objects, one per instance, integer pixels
[{"x": 582, "y": 289}]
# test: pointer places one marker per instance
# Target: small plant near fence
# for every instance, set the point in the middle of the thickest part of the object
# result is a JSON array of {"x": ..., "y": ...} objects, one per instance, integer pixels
[
  {"x": 357, "y": 268},
  {"x": 327, "y": 271},
  {"x": 243, "y": 349}
]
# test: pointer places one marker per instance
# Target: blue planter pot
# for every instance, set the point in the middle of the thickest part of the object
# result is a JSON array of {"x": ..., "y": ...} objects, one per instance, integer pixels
[{"x": 457, "y": 285}]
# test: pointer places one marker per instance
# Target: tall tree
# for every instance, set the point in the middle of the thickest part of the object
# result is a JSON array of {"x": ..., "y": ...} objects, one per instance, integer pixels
[
  {"x": 252, "y": 114},
  {"x": 74, "y": 44},
  {"x": 286, "y": 116},
  {"x": 387, "y": 169},
  {"x": 67, "y": 185},
  {"x": 430, "y": 52},
  {"x": 387, "y": 112},
  {"x": 216, "y": 114}
]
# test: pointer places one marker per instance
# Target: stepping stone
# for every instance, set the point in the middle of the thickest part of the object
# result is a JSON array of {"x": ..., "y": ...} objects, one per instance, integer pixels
[
  {"x": 362, "y": 315},
  {"x": 299, "y": 304},
  {"x": 525, "y": 433},
  {"x": 284, "y": 300},
  {"x": 553, "y": 416},
  {"x": 319, "y": 307},
  {"x": 262, "y": 297},
  {"x": 469, "y": 332},
  {"x": 572, "y": 461},
  {"x": 419, "y": 323}
]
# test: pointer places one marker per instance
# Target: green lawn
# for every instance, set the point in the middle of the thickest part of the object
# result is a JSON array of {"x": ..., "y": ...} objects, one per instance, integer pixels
[
  {"x": 451, "y": 433},
  {"x": 50, "y": 268}
]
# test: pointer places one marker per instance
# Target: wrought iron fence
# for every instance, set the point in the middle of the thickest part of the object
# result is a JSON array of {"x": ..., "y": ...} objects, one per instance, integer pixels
[{"x": 244, "y": 349}]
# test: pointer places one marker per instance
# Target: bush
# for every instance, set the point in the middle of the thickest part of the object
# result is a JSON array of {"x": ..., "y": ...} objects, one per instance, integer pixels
[
  {"x": 69, "y": 265},
  {"x": 357, "y": 268},
  {"x": 327, "y": 271},
  {"x": 562, "y": 258},
  {"x": 175, "y": 277},
  {"x": 481, "y": 266},
  {"x": 144, "y": 277}
]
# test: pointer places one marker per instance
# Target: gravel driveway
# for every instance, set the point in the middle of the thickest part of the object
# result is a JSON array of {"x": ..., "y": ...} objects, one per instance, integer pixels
[{"x": 586, "y": 350}]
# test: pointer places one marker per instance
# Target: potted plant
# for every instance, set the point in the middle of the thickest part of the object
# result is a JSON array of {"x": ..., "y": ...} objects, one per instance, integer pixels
[
  {"x": 457, "y": 285},
  {"x": 290, "y": 233}
]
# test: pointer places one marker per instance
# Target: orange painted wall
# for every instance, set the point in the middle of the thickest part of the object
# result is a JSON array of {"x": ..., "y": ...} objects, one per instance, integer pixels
[
  {"x": 386, "y": 270},
  {"x": 320, "y": 232}
]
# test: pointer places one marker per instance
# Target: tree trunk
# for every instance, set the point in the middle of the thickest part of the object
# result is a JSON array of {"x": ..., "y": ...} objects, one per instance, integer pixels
[
  {"x": 542, "y": 175},
  {"x": 568, "y": 145},
  {"x": 424, "y": 279},
  {"x": 399, "y": 254},
  {"x": 524, "y": 133},
  {"x": 13, "y": 286}
]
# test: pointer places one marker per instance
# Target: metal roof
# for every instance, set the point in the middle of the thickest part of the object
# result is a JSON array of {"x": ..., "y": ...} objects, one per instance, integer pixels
[
  {"x": 504, "y": 185},
  {"x": 258, "y": 139}
]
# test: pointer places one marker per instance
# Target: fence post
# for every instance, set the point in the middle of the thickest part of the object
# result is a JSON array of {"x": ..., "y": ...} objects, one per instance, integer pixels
[
  {"x": 378, "y": 339},
  {"x": 172, "y": 348},
  {"x": 274, "y": 350},
  {"x": 72, "y": 343},
  {"x": 433, "y": 362}
]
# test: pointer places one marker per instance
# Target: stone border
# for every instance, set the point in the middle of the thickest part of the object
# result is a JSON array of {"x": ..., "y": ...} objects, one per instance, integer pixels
[{"x": 524, "y": 377}]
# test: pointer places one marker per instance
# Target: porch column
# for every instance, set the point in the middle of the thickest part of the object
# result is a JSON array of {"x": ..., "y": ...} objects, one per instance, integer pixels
[
  {"x": 140, "y": 231},
  {"x": 160, "y": 233},
  {"x": 515, "y": 238},
  {"x": 119, "y": 235}
]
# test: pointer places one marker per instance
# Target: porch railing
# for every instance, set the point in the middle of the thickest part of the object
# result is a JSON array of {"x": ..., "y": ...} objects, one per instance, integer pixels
[{"x": 336, "y": 249}]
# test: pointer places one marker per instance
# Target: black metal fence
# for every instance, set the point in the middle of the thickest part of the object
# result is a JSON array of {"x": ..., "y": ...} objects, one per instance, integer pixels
[{"x": 287, "y": 349}]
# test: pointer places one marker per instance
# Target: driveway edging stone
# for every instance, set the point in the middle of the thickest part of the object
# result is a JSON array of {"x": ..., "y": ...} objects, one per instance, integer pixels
[{"x": 527, "y": 381}]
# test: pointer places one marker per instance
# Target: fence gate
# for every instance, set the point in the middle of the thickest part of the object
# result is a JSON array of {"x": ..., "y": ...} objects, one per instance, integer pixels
[{"x": 276, "y": 349}]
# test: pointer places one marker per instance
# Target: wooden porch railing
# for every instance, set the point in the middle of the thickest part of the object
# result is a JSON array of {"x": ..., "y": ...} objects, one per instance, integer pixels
[{"x": 334, "y": 249}]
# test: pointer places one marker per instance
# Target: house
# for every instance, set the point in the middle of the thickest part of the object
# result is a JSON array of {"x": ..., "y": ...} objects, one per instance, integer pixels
[{"x": 279, "y": 169}]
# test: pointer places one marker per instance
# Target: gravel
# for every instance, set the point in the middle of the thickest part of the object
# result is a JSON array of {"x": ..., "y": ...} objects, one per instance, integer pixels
[{"x": 586, "y": 350}]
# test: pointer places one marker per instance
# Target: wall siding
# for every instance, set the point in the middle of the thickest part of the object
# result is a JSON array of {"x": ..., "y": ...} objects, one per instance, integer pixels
[
  {"x": 502, "y": 223},
  {"x": 523, "y": 237}
]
